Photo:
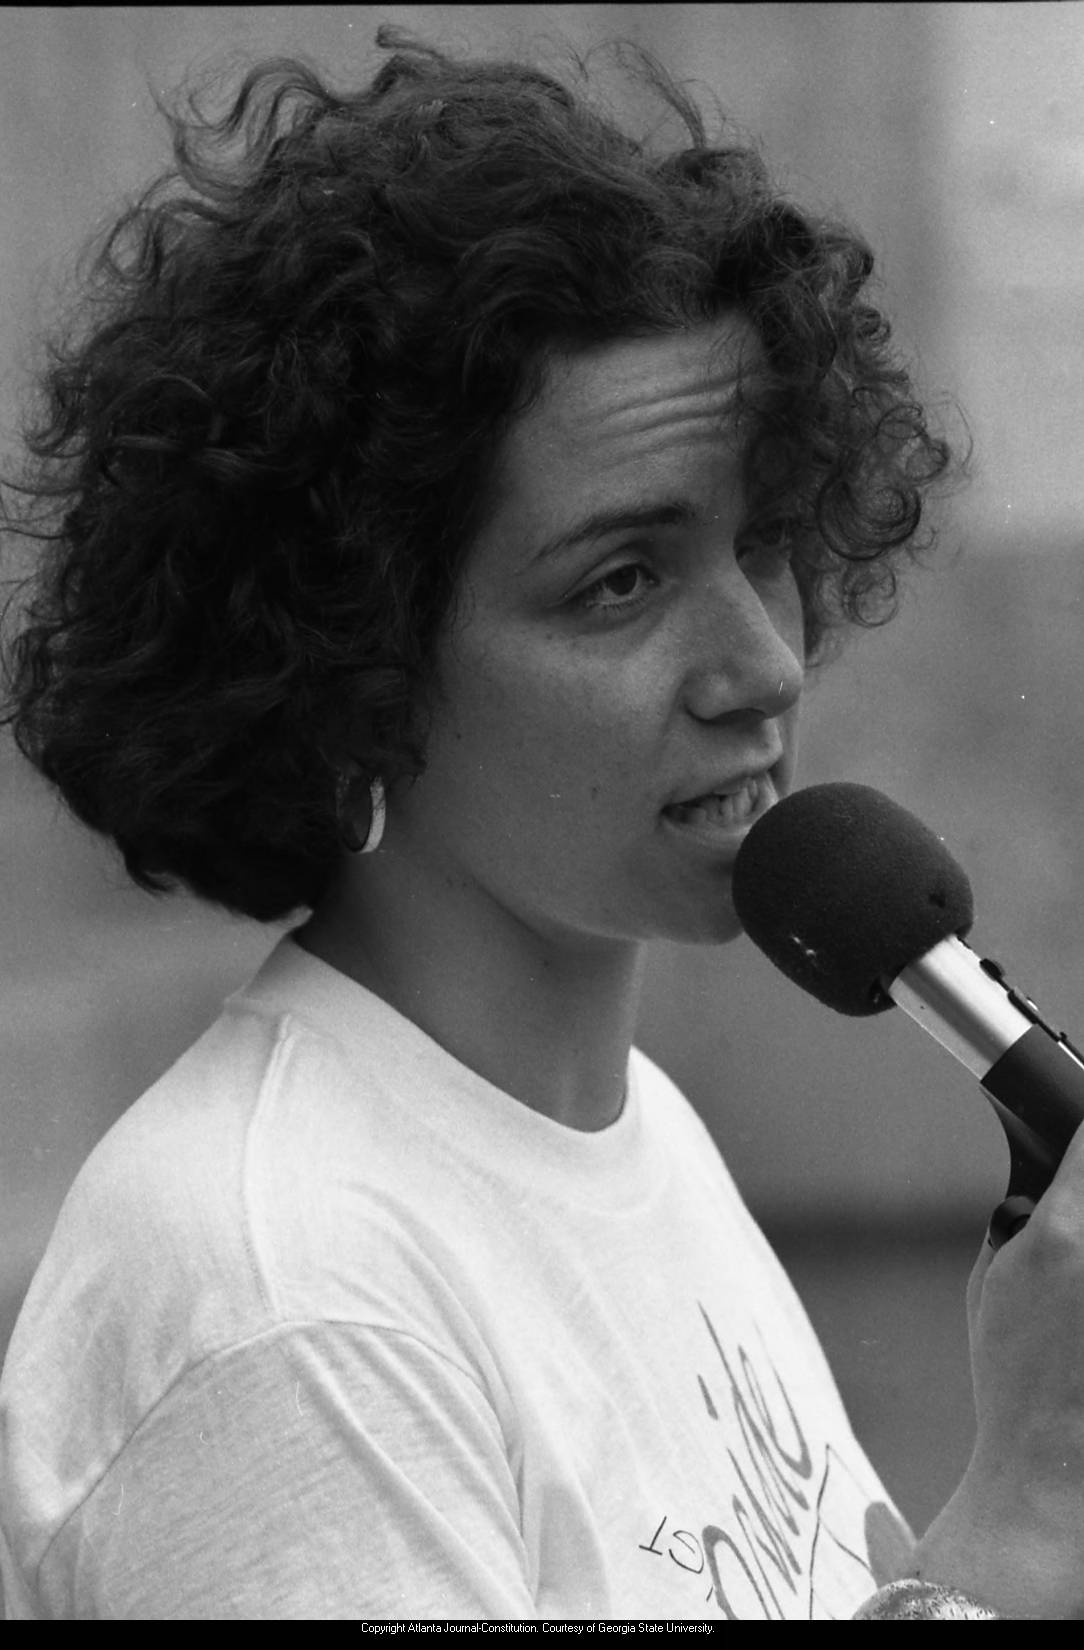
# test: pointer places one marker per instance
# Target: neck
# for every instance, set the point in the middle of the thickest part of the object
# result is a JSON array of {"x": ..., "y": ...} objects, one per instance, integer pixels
[{"x": 546, "y": 1019}]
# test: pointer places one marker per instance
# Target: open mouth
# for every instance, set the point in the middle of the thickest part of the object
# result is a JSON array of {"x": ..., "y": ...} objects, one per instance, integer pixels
[{"x": 728, "y": 808}]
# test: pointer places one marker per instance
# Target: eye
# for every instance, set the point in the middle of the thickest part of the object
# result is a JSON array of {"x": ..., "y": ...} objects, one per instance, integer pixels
[{"x": 622, "y": 589}]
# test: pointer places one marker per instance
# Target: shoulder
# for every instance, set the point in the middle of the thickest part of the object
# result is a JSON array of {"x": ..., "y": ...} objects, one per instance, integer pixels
[
  {"x": 148, "y": 1266},
  {"x": 245, "y": 1204},
  {"x": 218, "y": 1199},
  {"x": 292, "y": 1166},
  {"x": 157, "y": 1249}
]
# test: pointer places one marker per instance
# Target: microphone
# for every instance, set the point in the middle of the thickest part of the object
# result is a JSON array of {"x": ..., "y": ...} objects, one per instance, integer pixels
[{"x": 861, "y": 905}]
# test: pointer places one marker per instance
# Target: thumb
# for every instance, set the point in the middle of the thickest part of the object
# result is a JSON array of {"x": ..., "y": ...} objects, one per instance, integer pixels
[{"x": 1010, "y": 1217}]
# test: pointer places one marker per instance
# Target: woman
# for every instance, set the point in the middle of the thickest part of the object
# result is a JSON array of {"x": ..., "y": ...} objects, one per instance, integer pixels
[{"x": 448, "y": 496}]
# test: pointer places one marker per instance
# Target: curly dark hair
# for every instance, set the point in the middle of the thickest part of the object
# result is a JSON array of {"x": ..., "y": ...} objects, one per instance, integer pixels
[{"x": 265, "y": 445}]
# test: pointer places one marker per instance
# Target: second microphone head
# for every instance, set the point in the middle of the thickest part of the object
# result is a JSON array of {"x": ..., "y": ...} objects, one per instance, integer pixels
[{"x": 842, "y": 888}]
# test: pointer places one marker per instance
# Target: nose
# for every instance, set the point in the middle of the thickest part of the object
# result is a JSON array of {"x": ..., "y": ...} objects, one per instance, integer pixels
[{"x": 746, "y": 652}]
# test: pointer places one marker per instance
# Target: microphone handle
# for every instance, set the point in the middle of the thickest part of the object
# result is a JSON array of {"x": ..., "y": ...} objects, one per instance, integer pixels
[{"x": 1037, "y": 1091}]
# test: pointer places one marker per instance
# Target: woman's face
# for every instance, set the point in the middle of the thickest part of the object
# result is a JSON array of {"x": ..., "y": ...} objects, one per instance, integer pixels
[{"x": 617, "y": 694}]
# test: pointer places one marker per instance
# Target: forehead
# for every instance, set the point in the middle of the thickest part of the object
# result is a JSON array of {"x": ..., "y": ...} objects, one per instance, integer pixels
[{"x": 636, "y": 410}]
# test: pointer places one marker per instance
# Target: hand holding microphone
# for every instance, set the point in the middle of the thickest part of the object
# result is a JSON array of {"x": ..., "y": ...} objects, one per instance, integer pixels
[
  {"x": 857, "y": 902},
  {"x": 862, "y": 906}
]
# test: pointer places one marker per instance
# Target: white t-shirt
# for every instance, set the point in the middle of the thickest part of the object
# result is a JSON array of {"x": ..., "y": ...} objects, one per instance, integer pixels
[{"x": 330, "y": 1328}]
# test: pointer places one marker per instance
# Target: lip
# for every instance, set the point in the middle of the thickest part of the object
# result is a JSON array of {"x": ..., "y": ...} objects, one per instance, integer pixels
[
  {"x": 762, "y": 772},
  {"x": 716, "y": 836}
]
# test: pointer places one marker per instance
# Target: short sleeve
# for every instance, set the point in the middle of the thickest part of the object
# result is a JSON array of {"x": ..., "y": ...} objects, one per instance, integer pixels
[{"x": 318, "y": 1472}]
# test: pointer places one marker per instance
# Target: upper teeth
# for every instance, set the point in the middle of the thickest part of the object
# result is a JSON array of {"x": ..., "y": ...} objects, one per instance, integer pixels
[{"x": 724, "y": 809}]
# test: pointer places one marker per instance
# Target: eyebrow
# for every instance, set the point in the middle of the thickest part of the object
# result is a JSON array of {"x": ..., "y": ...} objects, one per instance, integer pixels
[{"x": 602, "y": 523}]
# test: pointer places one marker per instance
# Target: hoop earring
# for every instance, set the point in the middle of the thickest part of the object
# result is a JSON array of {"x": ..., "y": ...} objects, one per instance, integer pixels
[
  {"x": 378, "y": 813},
  {"x": 377, "y": 816}
]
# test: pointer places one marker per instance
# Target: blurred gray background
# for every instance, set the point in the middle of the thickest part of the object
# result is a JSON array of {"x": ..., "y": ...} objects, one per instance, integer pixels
[{"x": 953, "y": 136}]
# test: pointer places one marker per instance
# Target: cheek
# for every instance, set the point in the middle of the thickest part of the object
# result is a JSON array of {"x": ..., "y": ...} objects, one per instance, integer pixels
[{"x": 552, "y": 733}]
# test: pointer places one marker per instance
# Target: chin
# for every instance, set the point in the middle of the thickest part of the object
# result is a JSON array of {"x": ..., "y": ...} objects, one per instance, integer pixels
[
  {"x": 714, "y": 923},
  {"x": 722, "y": 934}
]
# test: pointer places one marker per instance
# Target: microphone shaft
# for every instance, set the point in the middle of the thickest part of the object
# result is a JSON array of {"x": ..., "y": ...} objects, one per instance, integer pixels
[{"x": 950, "y": 994}]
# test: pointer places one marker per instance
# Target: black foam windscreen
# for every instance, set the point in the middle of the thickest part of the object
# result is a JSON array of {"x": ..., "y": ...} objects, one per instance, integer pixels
[{"x": 842, "y": 888}]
